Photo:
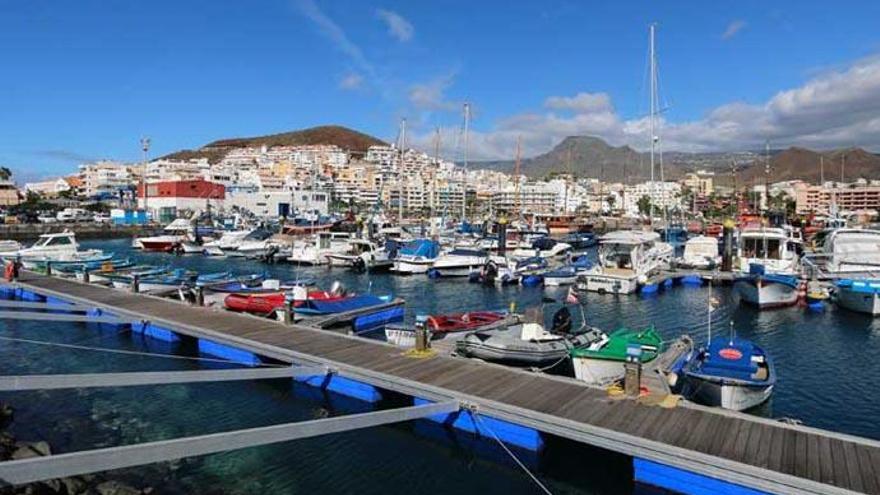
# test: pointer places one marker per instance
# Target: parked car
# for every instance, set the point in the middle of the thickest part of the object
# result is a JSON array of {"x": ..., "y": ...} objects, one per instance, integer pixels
[
  {"x": 101, "y": 218},
  {"x": 74, "y": 215}
]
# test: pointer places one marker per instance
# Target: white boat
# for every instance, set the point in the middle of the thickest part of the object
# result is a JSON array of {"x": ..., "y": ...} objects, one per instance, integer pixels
[
  {"x": 9, "y": 247},
  {"x": 317, "y": 250},
  {"x": 228, "y": 240},
  {"x": 459, "y": 262},
  {"x": 852, "y": 251},
  {"x": 417, "y": 256},
  {"x": 361, "y": 252},
  {"x": 859, "y": 295},
  {"x": 60, "y": 247},
  {"x": 543, "y": 248},
  {"x": 174, "y": 233},
  {"x": 257, "y": 243},
  {"x": 701, "y": 253},
  {"x": 626, "y": 259},
  {"x": 734, "y": 374},
  {"x": 768, "y": 267}
]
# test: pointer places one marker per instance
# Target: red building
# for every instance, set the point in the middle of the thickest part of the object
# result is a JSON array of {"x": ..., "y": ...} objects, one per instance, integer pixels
[{"x": 165, "y": 199}]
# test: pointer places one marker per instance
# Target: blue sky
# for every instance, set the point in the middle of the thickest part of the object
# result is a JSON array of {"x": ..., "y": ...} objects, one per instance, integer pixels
[{"x": 84, "y": 80}]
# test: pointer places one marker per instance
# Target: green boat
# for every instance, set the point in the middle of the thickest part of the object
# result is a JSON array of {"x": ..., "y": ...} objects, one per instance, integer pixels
[{"x": 603, "y": 364}]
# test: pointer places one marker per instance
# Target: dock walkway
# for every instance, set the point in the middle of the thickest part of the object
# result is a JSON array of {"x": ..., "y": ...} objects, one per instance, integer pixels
[{"x": 758, "y": 453}]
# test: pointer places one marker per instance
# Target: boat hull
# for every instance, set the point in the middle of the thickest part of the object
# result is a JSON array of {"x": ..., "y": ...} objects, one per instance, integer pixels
[
  {"x": 608, "y": 284},
  {"x": 457, "y": 270},
  {"x": 558, "y": 281},
  {"x": 859, "y": 302},
  {"x": 597, "y": 371},
  {"x": 407, "y": 267},
  {"x": 735, "y": 397},
  {"x": 766, "y": 295}
]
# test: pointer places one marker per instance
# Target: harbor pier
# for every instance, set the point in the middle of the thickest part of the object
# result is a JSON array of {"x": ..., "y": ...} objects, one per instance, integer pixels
[{"x": 687, "y": 448}]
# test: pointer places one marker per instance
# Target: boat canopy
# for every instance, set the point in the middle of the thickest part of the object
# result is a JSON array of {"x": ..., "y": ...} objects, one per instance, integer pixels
[
  {"x": 629, "y": 237},
  {"x": 866, "y": 286},
  {"x": 479, "y": 253},
  {"x": 731, "y": 359},
  {"x": 421, "y": 247},
  {"x": 315, "y": 306},
  {"x": 615, "y": 350}
]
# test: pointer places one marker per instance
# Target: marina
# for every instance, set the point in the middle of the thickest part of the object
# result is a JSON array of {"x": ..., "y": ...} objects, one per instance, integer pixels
[{"x": 377, "y": 360}]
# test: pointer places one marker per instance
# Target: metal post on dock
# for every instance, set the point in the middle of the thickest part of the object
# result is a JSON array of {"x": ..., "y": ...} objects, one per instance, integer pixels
[
  {"x": 285, "y": 314},
  {"x": 135, "y": 283},
  {"x": 85, "y": 274},
  {"x": 200, "y": 296},
  {"x": 727, "y": 256},
  {"x": 502, "y": 235},
  {"x": 632, "y": 379},
  {"x": 48, "y": 268},
  {"x": 423, "y": 337}
]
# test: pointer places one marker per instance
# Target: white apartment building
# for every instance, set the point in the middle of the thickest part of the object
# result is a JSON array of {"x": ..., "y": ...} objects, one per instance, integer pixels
[
  {"x": 105, "y": 177},
  {"x": 539, "y": 197},
  {"x": 278, "y": 203},
  {"x": 662, "y": 194},
  {"x": 49, "y": 188}
]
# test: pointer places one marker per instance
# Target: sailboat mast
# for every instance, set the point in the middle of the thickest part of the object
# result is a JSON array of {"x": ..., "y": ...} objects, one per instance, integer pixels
[
  {"x": 401, "y": 151},
  {"x": 653, "y": 111},
  {"x": 567, "y": 179},
  {"x": 821, "y": 169},
  {"x": 516, "y": 174},
  {"x": 434, "y": 174},
  {"x": 467, "y": 118}
]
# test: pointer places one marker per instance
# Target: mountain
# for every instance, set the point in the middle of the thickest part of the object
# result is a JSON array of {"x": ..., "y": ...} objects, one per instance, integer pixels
[
  {"x": 808, "y": 165},
  {"x": 592, "y": 157},
  {"x": 347, "y": 139}
]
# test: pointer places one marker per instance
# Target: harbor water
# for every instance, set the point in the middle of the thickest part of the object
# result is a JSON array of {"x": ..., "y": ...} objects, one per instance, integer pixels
[{"x": 825, "y": 361}]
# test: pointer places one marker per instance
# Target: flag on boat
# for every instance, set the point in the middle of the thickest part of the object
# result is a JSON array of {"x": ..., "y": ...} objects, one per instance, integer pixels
[{"x": 572, "y": 298}]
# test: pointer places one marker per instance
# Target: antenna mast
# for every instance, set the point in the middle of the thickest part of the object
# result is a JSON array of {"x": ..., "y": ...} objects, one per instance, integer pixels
[
  {"x": 516, "y": 175},
  {"x": 145, "y": 147},
  {"x": 467, "y": 118},
  {"x": 653, "y": 77}
]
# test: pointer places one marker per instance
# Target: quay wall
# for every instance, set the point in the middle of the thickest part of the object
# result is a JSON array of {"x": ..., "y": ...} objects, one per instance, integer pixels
[{"x": 31, "y": 231}]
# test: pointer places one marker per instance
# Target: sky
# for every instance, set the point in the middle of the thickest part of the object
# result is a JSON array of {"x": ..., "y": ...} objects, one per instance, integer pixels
[{"x": 86, "y": 80}]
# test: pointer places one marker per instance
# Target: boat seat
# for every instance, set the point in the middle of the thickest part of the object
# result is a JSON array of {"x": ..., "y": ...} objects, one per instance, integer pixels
[{"x": 762, "y": 374}]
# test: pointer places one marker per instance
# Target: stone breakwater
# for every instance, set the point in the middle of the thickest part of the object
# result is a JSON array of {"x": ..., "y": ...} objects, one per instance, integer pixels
[{"x": 30, "y": 231}]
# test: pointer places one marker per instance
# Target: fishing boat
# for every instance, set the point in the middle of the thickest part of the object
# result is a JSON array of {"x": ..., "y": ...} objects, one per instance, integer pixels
[
  {"x": 416, "y": 256},
  {"x": 700, "y": 253},
  {"x": 734, "y": 374},
  {"x": 173, "y": 234},
  {"x": 852, "y": 251},
  {"x": 601, "y": 365},
  {"x": 626, "y": 259},
  {"x": 859, "y": 295},
  {"x": 72, "y": 269},
  {"x": 459, "y": 262},
  {"x": 444, "y": 326},
  {"x": 318, "y": 250},
  {"x": 568, "y": 274},
  {"x": 768, "y": 267},
  {"x": 529, "y": 343},
  {"x": 122, "y": 279}
]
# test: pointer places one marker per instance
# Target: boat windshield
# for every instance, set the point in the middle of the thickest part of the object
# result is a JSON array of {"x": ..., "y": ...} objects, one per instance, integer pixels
[
  {"x": 617, "y": 256},
  {"x": 761, "y": 248},
  {"x": 258, "y": 235},
  {"x": 54, "y": 241}
]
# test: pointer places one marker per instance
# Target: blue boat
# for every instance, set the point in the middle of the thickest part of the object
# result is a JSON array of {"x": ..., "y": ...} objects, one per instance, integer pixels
[
  {"x": 568, "y": 274},
  {"x": 416, "y": 257},
  {"x": 735, "y": 374},
  {"x": 375, "y": 311},
  {"x": 860, "y": 295}
]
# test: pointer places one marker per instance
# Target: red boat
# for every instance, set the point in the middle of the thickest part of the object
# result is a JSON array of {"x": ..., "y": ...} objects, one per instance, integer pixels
[
  {"x": 460, "y": 322},
  {"x": 266, "y": 303}
]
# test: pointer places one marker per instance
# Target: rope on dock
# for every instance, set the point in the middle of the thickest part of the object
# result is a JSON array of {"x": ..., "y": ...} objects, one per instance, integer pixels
[
  {"x": 534, "y": 478},
  {"x": 134, "y": 353}
]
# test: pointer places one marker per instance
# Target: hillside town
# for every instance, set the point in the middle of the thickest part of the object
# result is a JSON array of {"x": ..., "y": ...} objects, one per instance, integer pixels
[{"x": 281, "y": 181}]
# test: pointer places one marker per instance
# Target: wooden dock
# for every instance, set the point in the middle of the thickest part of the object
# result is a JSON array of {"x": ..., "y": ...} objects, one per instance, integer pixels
[{"x": 758, "y": 453}]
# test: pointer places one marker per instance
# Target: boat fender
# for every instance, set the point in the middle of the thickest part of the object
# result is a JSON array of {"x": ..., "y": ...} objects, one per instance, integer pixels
[
  {"x": 300, "y": 293},
  {"x": 672, "y": 379},
  {"x": 433, "y": 273}
]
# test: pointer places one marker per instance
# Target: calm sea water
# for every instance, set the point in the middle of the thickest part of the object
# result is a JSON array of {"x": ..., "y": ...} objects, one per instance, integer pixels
[{"x": 825, "y": 363}]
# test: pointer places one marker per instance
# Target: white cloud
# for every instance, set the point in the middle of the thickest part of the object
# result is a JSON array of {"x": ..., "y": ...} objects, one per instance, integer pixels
[
  {"x": 837, "y": 109},
  {"x": 351, "y": 81},
  {"x": 733, "y": 28},
  {"x": 334, "y": 32},
  {"x": 398, "y": 27},
  {"x": 431, "y": 95}
]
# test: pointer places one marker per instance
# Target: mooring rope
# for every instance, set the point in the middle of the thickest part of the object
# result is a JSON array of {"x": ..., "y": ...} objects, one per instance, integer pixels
[
  {"x": 132, "y": 353},
  {"x": 534, "y": 478}
]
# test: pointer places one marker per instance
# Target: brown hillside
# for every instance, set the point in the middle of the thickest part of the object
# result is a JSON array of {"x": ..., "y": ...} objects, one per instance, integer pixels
[
  {"x": 799, "y": 163},
  {"x": 347, "y": 139}
]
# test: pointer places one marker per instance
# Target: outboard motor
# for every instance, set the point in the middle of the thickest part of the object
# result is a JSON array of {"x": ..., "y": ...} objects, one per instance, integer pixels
[
  {"x": 337, "y": 289},
  {"x": 490, "y": 272},
  {"x": 562, "y": 321},
  {"x": 359, "y": 265}
]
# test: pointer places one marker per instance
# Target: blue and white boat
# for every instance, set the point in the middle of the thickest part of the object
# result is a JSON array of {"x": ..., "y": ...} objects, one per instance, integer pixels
[
  {"x": 580, "y": 241},
  {"x": 860, "y": 295},
  {"x": 769, "y": 268},
  {"x": 459, "y": 262},
  {"x": 568, "y": 274},
  {"x": 416, "y": 257},
  {"x": 734, "y": 374}
]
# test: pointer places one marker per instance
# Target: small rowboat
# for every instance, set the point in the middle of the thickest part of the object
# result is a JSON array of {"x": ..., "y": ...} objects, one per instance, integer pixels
[
  {"x": 443, "y": 326},
  {"x": 267, "y": 303}
]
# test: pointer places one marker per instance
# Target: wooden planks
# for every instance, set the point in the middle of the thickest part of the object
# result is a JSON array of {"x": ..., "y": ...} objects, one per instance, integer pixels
[{"x": 795, "y": 451}]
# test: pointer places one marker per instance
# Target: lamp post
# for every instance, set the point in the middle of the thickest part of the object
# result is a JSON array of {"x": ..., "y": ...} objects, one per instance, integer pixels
[{"x": 145, "y": 146}]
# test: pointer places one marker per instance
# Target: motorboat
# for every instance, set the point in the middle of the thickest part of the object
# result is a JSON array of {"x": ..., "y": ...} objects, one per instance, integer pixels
[
  {"x": 543, "y": 247},
  {"x": 768, "y": 268},
  {"x": 174, "y": 233},
  {"x": 626, "y": 259},
  {"x": 416, "y": 256},
  {"x": 445, "y": 326},
  {"x": 498, "y": 270},
  {"x": 859, "y": 295},
  {"x": 459, "y": 262},
  {"x": 734, "y": 374},
  {"x": 568, "y": 274},
  {"x": 361, "y": 254},
  {"x": 57, "y": 248},
  {"x": 676, "y": 235},
  {"x": 700, "y": 253},
  {"x": 849, "y": 251},
  {"x": 529, "y": 343},
  {"x": 252, "y": 245},
  {"x": 604, "y": 364},
  {"x": 229, "y": 240},
  {"x": 580, "y": 241},
  {"x": 265, "y": 304},
  {"x": 318, "y": 250}
]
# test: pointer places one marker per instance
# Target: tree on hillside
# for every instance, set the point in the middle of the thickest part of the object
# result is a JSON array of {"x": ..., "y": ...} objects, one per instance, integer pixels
[{"x": 644, "y": 205}]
